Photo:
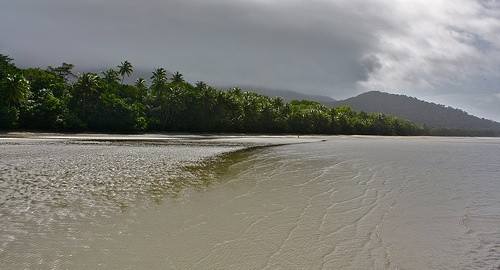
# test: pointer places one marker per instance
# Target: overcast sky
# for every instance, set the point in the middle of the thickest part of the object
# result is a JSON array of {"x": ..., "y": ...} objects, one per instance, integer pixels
[{"x": 445, "y": 51}]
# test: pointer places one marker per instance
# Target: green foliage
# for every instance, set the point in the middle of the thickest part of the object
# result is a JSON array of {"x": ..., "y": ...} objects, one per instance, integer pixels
[
  {"x": 111, "y": 76},
  {"x": 125, "y": 68},
  {"x": 306, "y": 116},
  {"x": 177, "y": 78},
  {"x": 46, "y": 106},
  {"x": 104, "y": 105},
  {"x": 418, "y": 111},
  {"x": 158, "y": 82},
  {"x": 6, "y": 66},
  {"x": 65, "y": 71},
  {"x": 45, "y": 100},
  {"x": 140, "y": 84},
  {"x": 14, "y": 90}
]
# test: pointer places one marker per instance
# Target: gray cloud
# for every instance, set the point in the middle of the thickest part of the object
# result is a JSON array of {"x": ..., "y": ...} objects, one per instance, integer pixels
[{"x": 335, "y": 48}]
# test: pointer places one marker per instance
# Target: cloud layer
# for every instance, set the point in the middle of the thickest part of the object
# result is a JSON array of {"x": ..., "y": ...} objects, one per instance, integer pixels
[{"x": 442, "y": 51}]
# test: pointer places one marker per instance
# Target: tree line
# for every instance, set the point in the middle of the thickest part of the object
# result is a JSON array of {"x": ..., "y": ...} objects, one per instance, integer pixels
[{"x": 56, "y": 99}]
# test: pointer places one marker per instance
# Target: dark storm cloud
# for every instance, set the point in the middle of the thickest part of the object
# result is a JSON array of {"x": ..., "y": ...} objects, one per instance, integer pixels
[
  {"x": 307, "y": 44},
  {"x": 335, "y": 48}
]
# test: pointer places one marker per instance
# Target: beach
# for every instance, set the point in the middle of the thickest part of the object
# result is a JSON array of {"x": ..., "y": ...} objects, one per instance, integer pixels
[{"x": 86, "y": 201}]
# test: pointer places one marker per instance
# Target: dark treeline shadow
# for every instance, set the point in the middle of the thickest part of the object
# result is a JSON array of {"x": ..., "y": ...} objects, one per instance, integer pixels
[{"x": 199, "y": 176}]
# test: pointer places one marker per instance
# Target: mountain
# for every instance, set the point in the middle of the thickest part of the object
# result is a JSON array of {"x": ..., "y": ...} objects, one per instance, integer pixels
[
  {"x": 285, "y": 94},
  {"x": 419, "y": 111}
]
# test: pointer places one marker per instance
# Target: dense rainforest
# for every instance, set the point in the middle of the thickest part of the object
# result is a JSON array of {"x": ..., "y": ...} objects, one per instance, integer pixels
[{"x": 56, "y": 99}]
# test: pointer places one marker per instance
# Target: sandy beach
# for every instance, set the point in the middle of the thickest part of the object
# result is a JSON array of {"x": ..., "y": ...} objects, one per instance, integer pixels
[
  {"x": 156, "y": 201},
  {"x": 174, "y": 138}
]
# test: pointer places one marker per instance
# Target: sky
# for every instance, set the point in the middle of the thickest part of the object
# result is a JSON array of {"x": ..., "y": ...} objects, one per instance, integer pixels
[{"x": 442, "y": 51}]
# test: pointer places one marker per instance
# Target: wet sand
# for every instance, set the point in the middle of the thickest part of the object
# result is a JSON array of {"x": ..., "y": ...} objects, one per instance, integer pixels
[
  {"x": 177, "y": 138},
  {"x": 91, "y": 201}
]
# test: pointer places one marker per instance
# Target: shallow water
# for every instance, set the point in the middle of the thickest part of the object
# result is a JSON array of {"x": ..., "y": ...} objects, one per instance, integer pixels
[{"x": 355, "y": 203}]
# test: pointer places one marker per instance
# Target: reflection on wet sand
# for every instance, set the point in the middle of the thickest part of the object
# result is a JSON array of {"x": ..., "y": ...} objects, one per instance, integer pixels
[{"x": 199, "y": 176}]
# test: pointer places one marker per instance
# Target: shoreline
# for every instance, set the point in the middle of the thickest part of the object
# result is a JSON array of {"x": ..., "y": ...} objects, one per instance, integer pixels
[
  {"x": 243, "y": 140},
  {"x": 265, "y": 139},
  {"x": 226, "y": 143}
]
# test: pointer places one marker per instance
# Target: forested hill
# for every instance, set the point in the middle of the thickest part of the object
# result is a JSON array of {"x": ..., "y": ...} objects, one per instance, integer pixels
[
  {"x": 418, "y": 111},
  {"x": 57, "y": 99},
  {"x": 287, "y": 95}
]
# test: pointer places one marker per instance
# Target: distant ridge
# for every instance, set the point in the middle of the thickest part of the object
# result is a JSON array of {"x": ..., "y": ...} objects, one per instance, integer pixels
[
  {"x": 287, "y": 95},
  {"x": 418, "y": 111}
]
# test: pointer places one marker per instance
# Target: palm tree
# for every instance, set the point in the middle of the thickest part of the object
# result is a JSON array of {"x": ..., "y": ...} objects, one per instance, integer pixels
[
  {"x": 158, "y": 80},
  {"x": 111, "y": 75},
  {"x": 16, "y": 90},
  {"x": 86, "y": 99},
  {"x": 177, "y": 78},
  {"x": 159, "y": 76},
  {"x": 140, "y": 83},
  {"x": 87, "y": 85},
  {"x": 125, "y": 69},
  {"x": 201, "y": 86}
]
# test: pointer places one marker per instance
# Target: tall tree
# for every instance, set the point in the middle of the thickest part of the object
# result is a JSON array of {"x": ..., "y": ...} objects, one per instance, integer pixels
[
  {"x": 86, "y": 93},
  {"x": 15, "y": 90},
  {"x": 88, "y": 81},
  {"x": 177, "y": 77},
  {"x": 158, "y": 81},
  {"x": 140, "y": 83},
  {"x": 8, "y": 115},
  {"x": 47, "y": 103},
  {"x": 65, "y": 71},
  {"x": 6, "y": 67},
  {"x": 142, "y": 88},
  {"x": 201, "y": 86},
  {"x": 111, "y": 75},
  {"x": 125, "y": 68}
]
